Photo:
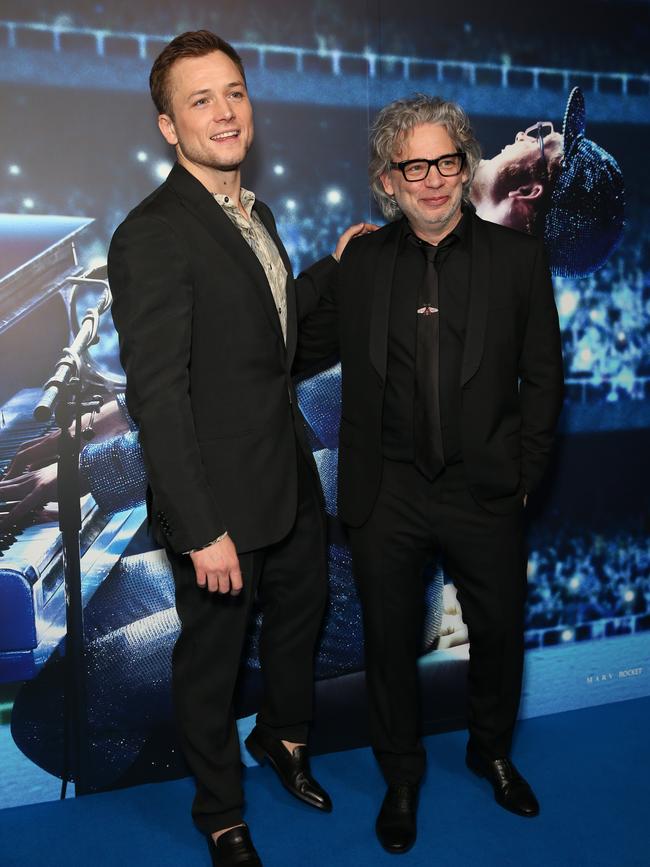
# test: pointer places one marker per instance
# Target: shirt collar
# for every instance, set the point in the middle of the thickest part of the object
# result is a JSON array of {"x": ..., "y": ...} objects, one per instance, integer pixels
[
  {"x": 459, "y": 233},
  {"x": 246, "y": 197}
]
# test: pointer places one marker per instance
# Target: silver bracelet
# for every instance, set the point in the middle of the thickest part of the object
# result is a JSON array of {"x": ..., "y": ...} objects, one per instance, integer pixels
[{"x": 213, "y": 542}]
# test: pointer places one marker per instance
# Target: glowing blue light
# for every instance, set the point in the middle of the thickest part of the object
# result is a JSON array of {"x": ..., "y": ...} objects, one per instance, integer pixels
[
  {"x": 290, "y": 204},
  {"x": 278, "y": 169},
  {"x": 574, "y": 583},
  {"x": 142, "y": 156},
  {"x": 14, "y": 169},
  {"x": 568, "y": 302},
  {"x": 28, "y": 203},
  {"x": 567, "y": 635},
  {"x": 333, "y": 197}
]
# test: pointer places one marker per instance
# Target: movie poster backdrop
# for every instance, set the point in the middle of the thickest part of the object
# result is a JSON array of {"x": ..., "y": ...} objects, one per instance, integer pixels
[{"x": 80, "y": 148}]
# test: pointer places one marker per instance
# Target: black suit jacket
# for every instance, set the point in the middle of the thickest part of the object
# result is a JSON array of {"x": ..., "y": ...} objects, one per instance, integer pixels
[
  {"x": 208, "y": 373},
  {"x": 511, "y": 380}
]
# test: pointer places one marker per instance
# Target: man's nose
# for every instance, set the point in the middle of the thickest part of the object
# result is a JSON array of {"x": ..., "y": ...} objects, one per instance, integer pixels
[
  {"x": 223, "y": 110},
  {"x": 434, "y": 178}
]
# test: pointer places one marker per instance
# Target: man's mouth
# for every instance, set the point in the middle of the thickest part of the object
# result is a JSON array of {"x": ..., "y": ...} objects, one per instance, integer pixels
[
  {"x": 436, "y": 201},
  {"x": 224, "y": 136}
]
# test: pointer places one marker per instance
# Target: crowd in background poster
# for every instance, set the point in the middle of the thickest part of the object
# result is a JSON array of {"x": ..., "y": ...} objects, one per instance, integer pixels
[{"x": 80, "y": 147}]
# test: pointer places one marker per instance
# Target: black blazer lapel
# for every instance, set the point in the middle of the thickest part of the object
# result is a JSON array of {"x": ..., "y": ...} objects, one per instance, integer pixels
[
  {"x": 202, "y": 204},
  {"x": 292, "y": 315},
  {"x": 382, "y": 282},
  {"x": 478, "y": 301}
]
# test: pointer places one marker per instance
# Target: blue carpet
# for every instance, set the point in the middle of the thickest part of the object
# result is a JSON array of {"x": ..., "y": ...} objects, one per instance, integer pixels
[{"x": 588, "y": 767}]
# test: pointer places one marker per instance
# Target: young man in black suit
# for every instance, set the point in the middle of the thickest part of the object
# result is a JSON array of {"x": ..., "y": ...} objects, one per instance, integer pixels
[
  {"x": 207, "y": 311},
  {"x": 452, "y": 385}
]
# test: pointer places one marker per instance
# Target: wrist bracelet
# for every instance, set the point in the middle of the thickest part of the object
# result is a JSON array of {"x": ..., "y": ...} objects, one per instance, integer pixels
[{"x": 207, "y": 545}]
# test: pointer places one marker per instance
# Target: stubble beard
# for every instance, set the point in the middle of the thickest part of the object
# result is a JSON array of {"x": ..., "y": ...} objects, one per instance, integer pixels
[
  {"x": 440, "y": 222},
  {"x": 207, "y": 161}
]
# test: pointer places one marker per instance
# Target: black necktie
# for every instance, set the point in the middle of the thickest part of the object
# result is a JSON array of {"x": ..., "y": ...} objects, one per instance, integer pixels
[{"x": 429, "y": 456}]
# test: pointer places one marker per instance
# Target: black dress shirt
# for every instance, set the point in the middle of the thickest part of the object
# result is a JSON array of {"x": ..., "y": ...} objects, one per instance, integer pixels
[{"x": 454, "y": 270}]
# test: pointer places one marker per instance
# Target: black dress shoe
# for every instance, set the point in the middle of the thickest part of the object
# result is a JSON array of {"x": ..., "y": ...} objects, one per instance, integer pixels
[
  {"x": 291, "y": 767},
  {"x": 233, "y": 848},
  {"x": 510, "y": 788},
  {"x": 396, "y": 826}
]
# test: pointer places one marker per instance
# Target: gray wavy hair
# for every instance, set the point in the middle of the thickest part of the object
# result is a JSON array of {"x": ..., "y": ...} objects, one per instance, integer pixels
[{"x": 397, "y": 119}]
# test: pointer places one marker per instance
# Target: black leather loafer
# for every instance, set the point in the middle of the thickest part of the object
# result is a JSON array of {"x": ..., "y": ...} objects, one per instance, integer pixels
[
  {"x": 291, "y": 767},
  {"x": 396, "y": 823},
  {"x": 233, "y": 848},
  {"x": 510, "y": 788}
]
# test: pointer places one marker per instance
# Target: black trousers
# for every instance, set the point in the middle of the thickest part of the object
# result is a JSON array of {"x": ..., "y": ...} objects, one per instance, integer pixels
[
  {"x": 290, "y": 581},
  {"x": 484, "y": 555}
]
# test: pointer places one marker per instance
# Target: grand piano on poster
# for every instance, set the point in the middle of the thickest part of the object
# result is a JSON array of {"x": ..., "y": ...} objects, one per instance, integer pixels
[{"x": 38, "y": 268}]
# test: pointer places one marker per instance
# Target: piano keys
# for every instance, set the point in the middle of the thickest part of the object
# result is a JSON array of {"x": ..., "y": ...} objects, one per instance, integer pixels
[{"x": 37, "y": 260}]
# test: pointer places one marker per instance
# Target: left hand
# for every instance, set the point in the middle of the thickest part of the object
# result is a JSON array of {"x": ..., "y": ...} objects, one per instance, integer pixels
[
  {"x": 352, "y": 232},
  {"x": 27, "y": 492},
  {"x": 453, "y": 631}
]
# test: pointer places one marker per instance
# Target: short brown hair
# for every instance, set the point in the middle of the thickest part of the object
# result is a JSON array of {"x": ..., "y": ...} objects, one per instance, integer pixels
[{"x": 193, "y": 43}]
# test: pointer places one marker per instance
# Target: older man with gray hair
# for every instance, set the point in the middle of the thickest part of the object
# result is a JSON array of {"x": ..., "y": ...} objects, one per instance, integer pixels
[{"x": 452, "y": 385}]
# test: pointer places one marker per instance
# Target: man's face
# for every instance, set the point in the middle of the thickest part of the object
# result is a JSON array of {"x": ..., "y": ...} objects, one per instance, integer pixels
[
  {"x": 431, "y": 206},
  {"x": 510, "y": 188},
  {"x": 211, "y": 124},
  {"x": 520, "y": 159}
]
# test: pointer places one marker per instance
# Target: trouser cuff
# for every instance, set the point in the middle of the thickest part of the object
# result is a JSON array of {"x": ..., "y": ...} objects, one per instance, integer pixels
[
  {"x": 295, "y": 734},
  {"x": 208, "y": 824}
]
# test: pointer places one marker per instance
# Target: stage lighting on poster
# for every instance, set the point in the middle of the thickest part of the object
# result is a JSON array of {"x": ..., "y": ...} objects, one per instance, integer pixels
[{"x": 162, "y": 169}]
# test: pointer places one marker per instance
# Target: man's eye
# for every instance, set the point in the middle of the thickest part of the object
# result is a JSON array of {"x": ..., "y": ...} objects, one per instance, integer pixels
[
  {"x": 201, "y": 101},
  {"x": 415, "y": 168},
  {"x": 237, "y": 94}
]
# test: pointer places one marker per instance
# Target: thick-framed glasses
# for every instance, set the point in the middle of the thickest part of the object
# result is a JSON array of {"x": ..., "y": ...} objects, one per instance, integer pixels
[
  {"x": 448, "y": 165},
  {"x": 539, "y": 131}
]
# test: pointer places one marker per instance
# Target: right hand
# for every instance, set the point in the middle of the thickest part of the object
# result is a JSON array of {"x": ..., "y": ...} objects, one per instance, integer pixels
[
  {"x": 34, "y": 454},
  {"x": 217, "y": 567},
  {"x": 354, "y": 231}
]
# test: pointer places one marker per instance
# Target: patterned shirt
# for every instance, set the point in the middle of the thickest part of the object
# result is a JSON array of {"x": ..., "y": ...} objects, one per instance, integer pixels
[{"x": 261, "y": 243}]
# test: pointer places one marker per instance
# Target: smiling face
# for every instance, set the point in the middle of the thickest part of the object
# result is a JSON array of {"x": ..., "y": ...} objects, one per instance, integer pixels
[
  {"x": 211, "y": 124},
  {"x": 431, "y": 206}
]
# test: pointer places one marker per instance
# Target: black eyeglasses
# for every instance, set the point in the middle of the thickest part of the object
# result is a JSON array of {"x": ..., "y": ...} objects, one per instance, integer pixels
[
  {"x": 539, "y": 131},
  {"x": 448, "y": 165}
]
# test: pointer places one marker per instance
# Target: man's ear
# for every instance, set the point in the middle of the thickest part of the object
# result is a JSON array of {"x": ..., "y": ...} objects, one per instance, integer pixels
[
  {"x": 527, "y": 191},
  {"x": 387, "y": 184},
  {"x": 166, "y": 127}
]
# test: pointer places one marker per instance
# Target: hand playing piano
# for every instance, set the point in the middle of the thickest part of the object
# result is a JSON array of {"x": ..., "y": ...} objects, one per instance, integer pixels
[
  {"x": 26, "y": 493},
  {"x": 34, "y": 454}
]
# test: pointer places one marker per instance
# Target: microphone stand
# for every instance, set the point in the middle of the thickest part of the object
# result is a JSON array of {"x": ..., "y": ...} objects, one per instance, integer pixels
[{"x": 63, "y": 397}]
